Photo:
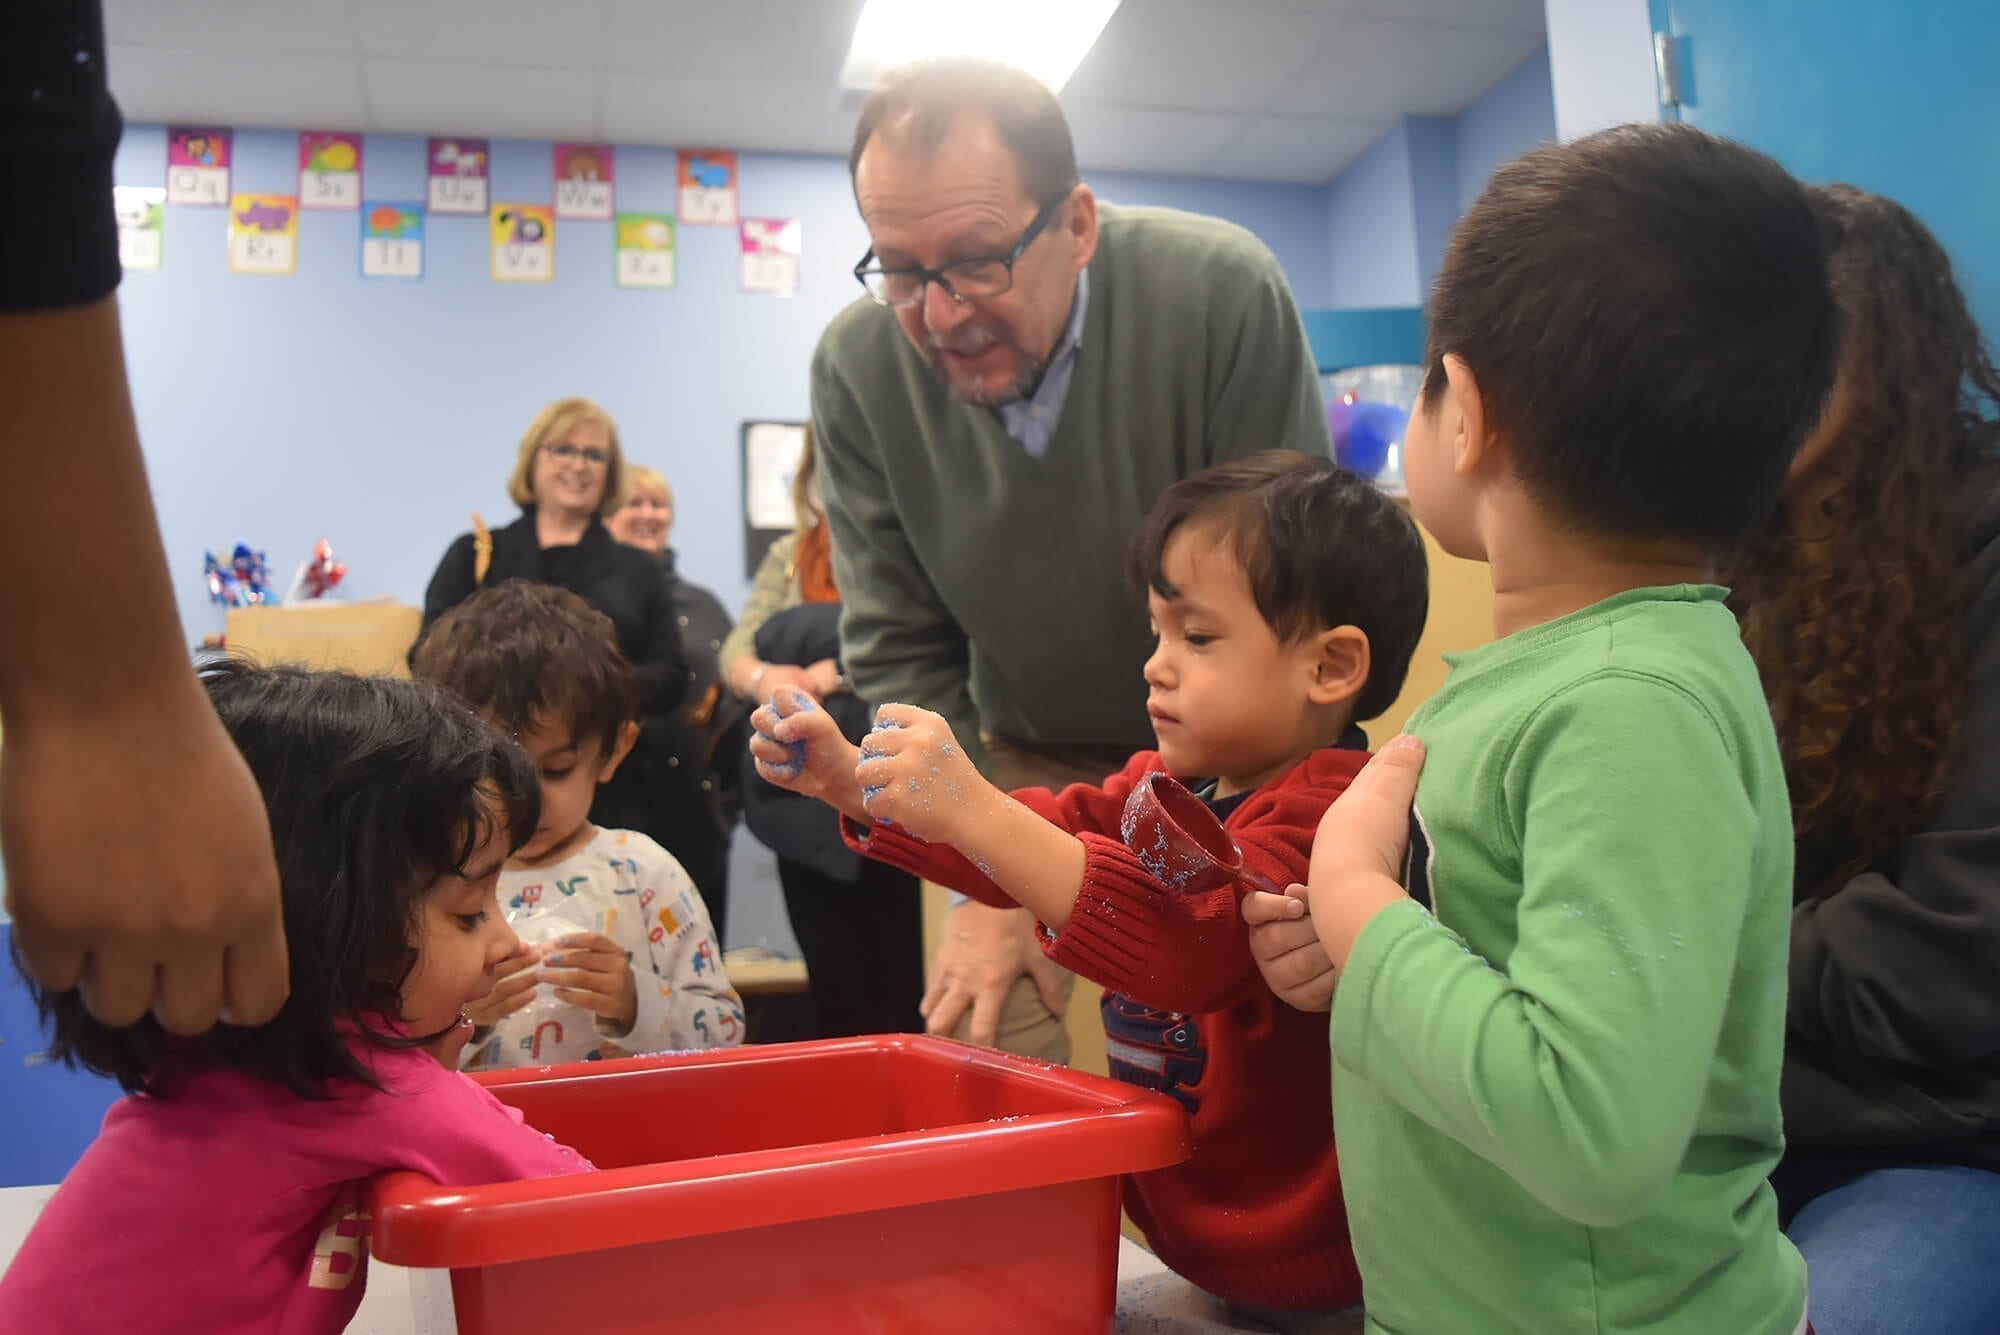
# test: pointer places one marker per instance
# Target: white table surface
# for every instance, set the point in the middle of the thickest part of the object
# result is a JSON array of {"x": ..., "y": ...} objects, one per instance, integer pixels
[{"x": 1151, "y": 1299}]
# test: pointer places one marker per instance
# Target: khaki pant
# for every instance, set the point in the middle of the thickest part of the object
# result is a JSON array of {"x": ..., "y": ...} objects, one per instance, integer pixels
[{"x": 1027, "y": 1026}]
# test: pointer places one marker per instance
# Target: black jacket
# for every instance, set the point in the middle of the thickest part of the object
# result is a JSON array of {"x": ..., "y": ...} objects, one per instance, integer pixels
[
  {"x": 804, "y": 829},
  {"x": 622, "y": 582},
  {"x": 681, "y": 747},
  {"x": 1894, "y": 1049}
]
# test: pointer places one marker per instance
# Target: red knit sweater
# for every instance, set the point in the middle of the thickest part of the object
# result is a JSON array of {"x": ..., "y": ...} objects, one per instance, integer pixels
[{"x": 1255, "y": 1215}]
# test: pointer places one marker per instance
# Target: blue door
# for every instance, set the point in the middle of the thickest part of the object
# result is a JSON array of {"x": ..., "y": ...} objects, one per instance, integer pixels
[{"x": 48, "y": 1114}]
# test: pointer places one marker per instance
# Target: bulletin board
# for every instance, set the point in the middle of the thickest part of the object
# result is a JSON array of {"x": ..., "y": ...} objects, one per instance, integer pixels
[{"x": 771, "y": 452}]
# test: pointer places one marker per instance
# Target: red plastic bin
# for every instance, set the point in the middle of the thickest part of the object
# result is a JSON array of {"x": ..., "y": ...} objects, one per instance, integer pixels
[{"x": 887, "y": 1185}]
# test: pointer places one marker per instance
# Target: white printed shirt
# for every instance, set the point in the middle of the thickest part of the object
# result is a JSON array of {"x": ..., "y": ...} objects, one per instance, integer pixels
[{"x": 627, "y": 887}]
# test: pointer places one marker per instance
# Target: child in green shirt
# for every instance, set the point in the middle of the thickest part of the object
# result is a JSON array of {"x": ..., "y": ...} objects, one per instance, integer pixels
[{"x": 1560, "y": 1006}]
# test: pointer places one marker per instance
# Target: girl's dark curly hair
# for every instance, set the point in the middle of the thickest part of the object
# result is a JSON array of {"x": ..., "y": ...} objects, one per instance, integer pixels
[{"x": 1853, "y": 601}]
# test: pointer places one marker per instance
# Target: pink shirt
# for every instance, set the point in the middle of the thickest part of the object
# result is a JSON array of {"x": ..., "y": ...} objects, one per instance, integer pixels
[{"x": 234, "y": 1206}]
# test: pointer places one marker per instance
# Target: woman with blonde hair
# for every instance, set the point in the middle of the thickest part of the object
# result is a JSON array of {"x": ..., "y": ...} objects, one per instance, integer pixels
[{"x": 569, "y": 474}]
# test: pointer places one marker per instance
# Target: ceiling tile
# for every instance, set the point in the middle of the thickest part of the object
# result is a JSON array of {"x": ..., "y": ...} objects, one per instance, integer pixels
[
  {"x": 1198, "y": 55},
  {"x": 1378, "y": 68},
  {"x": 531, "y": 34},
  {"x": 158, "y": 84},
  {"x": 286, "y": 27},
  {"x": 1299, "y": 150},
  {"x": 1127, "y": 140},
  {"x": 1520, "y": 16},
  {"x": 760, "y": 39},
  {"x": 773, "y": 116},
  {"x": 470, "y": 99}
]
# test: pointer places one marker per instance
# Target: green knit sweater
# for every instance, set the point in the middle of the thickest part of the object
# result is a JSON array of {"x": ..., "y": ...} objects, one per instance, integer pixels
[{"x": 989, "y": 585}]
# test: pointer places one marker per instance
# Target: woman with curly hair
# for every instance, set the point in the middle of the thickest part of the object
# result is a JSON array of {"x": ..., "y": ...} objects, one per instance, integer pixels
[{"x": 1872, "y": 607}]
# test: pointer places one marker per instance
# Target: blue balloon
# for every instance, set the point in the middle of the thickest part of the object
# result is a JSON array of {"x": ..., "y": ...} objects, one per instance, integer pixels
[{"x": 1363, "y": 432}]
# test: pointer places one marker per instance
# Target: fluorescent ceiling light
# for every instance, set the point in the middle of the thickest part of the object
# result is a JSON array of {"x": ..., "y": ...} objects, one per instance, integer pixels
[{"x": 1047, "y": 38}]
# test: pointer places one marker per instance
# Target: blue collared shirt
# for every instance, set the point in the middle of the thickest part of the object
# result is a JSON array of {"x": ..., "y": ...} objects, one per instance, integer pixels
[{"x": 1032, "y": 421}]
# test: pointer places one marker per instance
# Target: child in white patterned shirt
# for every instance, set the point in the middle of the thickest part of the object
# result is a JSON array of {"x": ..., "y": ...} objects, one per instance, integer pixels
[{"x": 617, "y": 954}]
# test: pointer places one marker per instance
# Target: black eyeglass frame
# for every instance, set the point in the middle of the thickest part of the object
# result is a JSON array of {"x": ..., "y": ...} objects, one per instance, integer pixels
[{"x": 942, "y": 274}]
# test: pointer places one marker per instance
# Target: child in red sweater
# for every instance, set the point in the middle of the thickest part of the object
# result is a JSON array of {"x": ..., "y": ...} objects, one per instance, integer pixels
[{"x": 1288, "y": 595}]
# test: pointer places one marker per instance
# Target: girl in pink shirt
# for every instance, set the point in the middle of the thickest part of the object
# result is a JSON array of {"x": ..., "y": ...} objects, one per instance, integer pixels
[{"x": 223, "y": 1194}]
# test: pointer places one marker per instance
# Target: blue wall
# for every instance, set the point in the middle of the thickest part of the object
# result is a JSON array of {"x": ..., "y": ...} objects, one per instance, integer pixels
[
  {"x": 1895, "y": 99},
  {"x": 1516, "y": 116},
  {"x": 1434, "y": 201},
  {"x": 1601, "y": 62},
  {"x": 1372, "y": 229},
  {"x": 1390, "y": 214},
  {"x": 378, "y": 413}
]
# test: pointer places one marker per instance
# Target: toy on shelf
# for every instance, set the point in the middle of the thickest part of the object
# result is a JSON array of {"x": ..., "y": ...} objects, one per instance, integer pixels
[
  {"x": 317, "y": 573},
  {"x": 244, "y": 582}
]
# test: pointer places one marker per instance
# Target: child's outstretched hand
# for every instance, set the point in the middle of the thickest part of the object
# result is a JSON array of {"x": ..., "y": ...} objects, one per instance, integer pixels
[
  {"x": 797, "y": 745},
  {"x": 1357, "y": 857},
  {"x": 590, "y": 970},
  {"x": 1286, "y": 947},
  {"x": 914, "y": 773}
]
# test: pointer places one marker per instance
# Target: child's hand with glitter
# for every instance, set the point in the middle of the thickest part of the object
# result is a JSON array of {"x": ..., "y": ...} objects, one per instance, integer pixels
[
  {"x": 798, "y": 746},
  {"x": 914, "y": 773}
]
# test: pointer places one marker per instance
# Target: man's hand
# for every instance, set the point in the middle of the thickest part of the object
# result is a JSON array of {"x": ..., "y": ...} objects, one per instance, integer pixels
[
  {"x": 984, "y": 950},
  {"x": 139, "y": 861}
]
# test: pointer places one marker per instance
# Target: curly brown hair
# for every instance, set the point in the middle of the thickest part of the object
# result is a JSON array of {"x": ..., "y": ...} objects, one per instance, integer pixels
[{"x": 1852, "y": 601}]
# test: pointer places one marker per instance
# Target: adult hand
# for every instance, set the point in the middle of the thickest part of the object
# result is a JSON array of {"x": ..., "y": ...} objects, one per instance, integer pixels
[
  {"x": 590, "y": 970},
  {"x": 1357, "y": 856},
  {"x": 1287, "y": 949},
  {"x": 776, "y": 679},
  {"x": 825, "y": 677},
  {"x": 139, "y": 861},
  {"x": 984, "y": 950},
  {"x": 914, "y": 773}
]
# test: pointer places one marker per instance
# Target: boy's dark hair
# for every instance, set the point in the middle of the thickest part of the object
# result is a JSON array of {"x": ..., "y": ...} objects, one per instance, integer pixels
[
  {"x": 1648, "y": 315},
  {"x": 376, "y": 789},
  {"x": 524, "y": 653},
  {"x": 1321, "y": 546}
]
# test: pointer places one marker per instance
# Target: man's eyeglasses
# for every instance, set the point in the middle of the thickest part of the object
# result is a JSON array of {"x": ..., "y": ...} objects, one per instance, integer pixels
[
  {"x": 964, "y": 280},
  {"x": 566, "y": 453}
]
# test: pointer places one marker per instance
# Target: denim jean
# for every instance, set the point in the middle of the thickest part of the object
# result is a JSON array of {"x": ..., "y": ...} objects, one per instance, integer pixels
[{"x": 1904, "y": 1251}]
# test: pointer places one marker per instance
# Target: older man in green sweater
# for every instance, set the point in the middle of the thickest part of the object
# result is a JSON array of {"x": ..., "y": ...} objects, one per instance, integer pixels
[{"x": 1029, "y": 370}]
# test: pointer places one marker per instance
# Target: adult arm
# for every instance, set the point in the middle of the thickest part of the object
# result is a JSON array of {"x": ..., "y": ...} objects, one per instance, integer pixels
[
  {"x": 138, "y": 853},
  {"x": 1265, "y": 389}
]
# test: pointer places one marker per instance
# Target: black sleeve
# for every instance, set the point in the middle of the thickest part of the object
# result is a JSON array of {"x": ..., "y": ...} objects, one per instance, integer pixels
[
  {"x": 452, "y": 584},
  {"x": 662, "y": 670},
  {"x": 59, "y": 129},
  {"x": 1899, "y": 968}
]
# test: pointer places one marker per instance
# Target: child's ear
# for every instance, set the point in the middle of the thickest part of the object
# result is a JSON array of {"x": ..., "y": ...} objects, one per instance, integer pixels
[
  {"x": 627, "y": 736},
  {"x": 1471, "y": 441},
  {"x": 1340, "y": 665}
]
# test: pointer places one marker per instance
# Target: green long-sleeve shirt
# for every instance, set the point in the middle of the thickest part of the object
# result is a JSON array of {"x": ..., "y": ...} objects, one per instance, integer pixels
[
  {"x": 988, "y": 584},
  {"x": 1557, "y": 1100}
]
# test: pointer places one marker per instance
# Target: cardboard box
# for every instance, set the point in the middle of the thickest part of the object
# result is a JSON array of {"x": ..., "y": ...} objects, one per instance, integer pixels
[{"x": 361, "y": 637}]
